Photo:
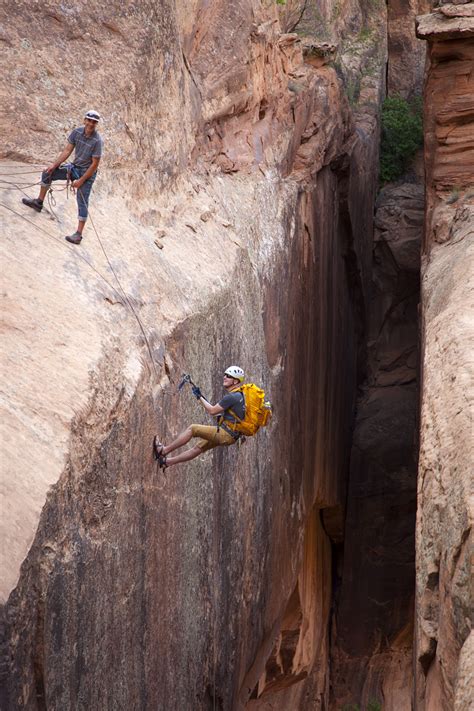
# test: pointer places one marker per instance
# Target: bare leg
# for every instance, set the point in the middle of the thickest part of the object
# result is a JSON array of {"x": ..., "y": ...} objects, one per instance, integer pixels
[
  {"x": 184, "y": 456},
  {"x": 43, "y": 190},
  {"x": 180, "y": 441},
  {"x": 80, "y": 226}
]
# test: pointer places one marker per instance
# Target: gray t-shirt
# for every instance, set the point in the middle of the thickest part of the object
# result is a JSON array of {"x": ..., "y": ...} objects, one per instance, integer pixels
[
  {"x": 87, "y": 147},
  {"x": 235, "y": 402}
]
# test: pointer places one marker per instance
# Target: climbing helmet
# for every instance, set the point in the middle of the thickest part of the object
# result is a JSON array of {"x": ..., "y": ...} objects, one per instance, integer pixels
[
  {"x": 92, "y": 115},
  {"x": 233, "y": 371}
]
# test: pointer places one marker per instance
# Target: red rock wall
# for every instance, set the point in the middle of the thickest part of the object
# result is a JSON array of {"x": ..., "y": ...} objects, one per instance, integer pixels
[
  {"x": 406, "y": 53},
  {"x": 144, "y": 590},
  {"x": 443, "y": 636},
  {"x": 178, "y": 584},
  {"x": 448, "y": 117}
]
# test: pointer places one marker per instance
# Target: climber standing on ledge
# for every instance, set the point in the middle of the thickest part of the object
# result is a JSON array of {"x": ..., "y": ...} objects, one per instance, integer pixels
[
  {"x": 82, "y": 171},
  {"x": 210, "y": 436}
]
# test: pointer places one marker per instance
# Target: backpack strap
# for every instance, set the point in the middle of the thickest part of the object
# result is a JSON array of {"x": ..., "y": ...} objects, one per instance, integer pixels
[{"x": 228, "y": 425}]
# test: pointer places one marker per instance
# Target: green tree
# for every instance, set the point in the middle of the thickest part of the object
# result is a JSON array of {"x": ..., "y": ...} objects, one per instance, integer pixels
[{"x": 402, "y": 136}]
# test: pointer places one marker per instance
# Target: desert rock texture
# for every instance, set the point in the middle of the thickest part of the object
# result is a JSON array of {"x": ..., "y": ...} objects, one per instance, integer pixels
[
  {"x": 236, "y": 218},
  {"x": 230, "y": 224},
  {"x": 444, "y": 650}
]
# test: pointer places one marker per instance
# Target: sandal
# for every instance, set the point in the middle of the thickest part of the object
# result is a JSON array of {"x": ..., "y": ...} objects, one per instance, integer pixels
[{"x": 158, "y": 448}]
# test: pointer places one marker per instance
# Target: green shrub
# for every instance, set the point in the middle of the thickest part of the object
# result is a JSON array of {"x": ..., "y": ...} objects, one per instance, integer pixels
[
  {"x": 374, "y": 706},
  {"x": 402, "y": 136},
  {"x": 371, "y": 706}
]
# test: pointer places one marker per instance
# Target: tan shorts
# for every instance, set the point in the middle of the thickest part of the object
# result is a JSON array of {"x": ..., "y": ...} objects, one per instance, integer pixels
[{"x": 211, "y": 436}]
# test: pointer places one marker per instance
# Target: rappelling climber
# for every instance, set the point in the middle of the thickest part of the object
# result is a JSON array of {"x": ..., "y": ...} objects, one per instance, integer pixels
[
  {"x": 210, "y": 436},
  {"x": 82, "y": 171}
]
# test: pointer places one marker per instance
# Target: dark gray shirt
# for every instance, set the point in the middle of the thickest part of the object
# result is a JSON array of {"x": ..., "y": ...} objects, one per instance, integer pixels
[
  {"x": 235, "y": 402},
  {"x": 87, "y": 147}
]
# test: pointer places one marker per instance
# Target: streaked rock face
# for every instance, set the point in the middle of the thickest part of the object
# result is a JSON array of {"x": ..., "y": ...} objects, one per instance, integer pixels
[
  {"x": 235, "y": 203},
  {"x": 406, "y": 63},
  {"x": 444, "y": 654},
  {"x": 449, "y": 92},
  {"x": 373, "y": 631},
  {"x": 127, "y": 588}
]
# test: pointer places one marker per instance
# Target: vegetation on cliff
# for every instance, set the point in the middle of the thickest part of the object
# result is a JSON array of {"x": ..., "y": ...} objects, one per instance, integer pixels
[{"x": 402, "y": 136}]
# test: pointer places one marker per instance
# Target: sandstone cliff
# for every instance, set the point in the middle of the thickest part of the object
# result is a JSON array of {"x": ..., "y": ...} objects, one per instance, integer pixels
[
  {"x": 233, "y": 222},
  {"x": 126, "y": 588},
  {"x": 444, "y": 652}
]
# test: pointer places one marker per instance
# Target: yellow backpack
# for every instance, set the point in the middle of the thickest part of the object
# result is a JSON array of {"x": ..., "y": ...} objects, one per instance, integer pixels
[{"x": 257, "y": 411}]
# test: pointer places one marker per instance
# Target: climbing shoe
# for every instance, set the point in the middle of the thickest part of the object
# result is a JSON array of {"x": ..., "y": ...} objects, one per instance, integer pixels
[
  {"x": 75, "y": 238},
  {"x": 34, "y": 203},
  {"x": 157, "y": 449}
]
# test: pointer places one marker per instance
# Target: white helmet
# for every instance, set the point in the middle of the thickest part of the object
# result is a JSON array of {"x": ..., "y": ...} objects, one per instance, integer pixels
[
  {"x": 92, "y": 115},
  {"x": 233, "y": 371}
]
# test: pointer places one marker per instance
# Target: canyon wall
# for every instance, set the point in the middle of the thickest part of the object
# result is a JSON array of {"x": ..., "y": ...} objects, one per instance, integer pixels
[
  {"x": 374, "y": 588},
  {"x": 406, "y": 52},
  {"x": 231, "y": 222},
  {"x": 374, "y": 569},
  {"x": 444, "y": 641}
]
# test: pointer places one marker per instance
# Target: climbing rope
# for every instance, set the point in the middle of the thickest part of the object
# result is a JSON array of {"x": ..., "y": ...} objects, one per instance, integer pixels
[
  {"x": 51, "y": 206},
  {"x": 20, "y": 172},
  {"x": 120, "y": 291},
  {"x": 123, "y": 298},
  {"x": 21, "y": 186},
  {"x": 25, "y": 184},
  {"x": 129, "y": 303},
  {"x": 64, "y": 244}
]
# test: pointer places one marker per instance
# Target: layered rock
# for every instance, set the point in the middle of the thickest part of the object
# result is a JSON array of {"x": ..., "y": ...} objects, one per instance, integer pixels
[
  {"x": 449, "y": 143},
  {"x": 444, "y": 654},
  {"x": 138, "y": 589},
  {"x": 406, "y": 53}
]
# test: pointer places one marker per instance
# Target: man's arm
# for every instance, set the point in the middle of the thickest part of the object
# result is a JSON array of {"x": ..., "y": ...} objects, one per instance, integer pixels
[
  {"x": 61, "y": 158},
  {"x": 90, "y": 171},
  {"x": 211, "y": 409}
]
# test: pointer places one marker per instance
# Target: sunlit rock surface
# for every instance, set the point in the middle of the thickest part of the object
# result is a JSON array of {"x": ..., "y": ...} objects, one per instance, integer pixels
[{"x": 444, "y": 521}]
